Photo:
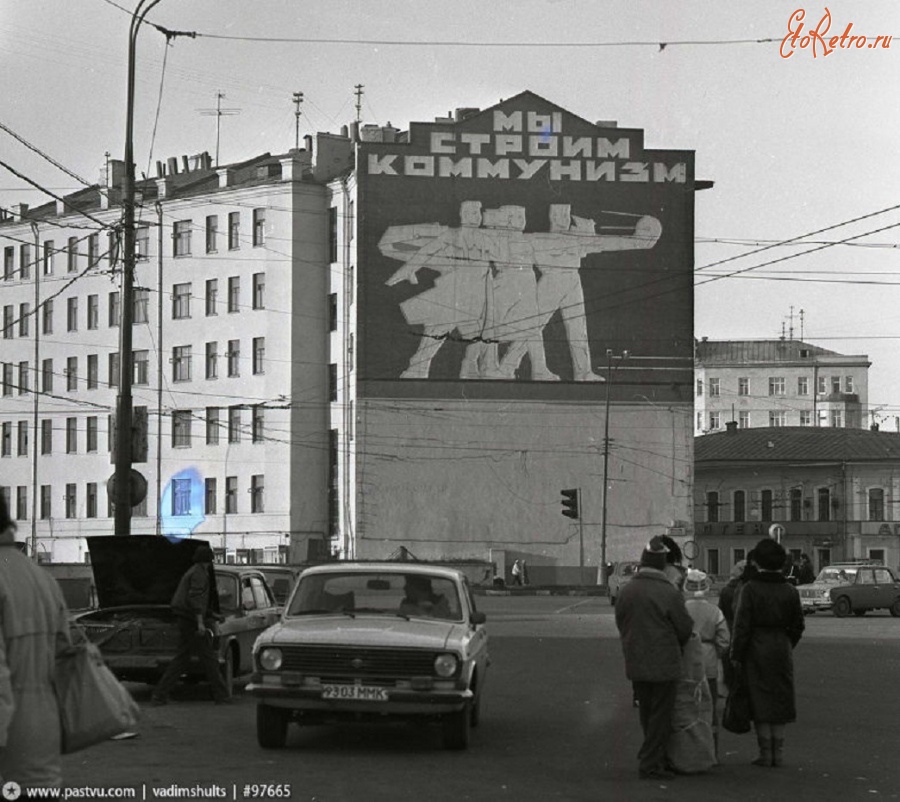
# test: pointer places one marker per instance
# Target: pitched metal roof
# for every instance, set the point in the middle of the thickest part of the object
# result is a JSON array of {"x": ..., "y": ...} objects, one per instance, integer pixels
[
  {"x": 797, "y": 444},
  {"x": 709, "y": 352}
]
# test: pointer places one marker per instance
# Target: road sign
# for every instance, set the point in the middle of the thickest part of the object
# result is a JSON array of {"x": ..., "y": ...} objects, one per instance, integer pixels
[
  {"x": 776, "y": 532},
  {"x": 137, "y": 487}
]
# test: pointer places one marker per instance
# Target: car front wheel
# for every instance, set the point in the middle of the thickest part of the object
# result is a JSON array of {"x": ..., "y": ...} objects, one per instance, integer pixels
[
  {"x": 456, "y": 728},
  {"x": 271, "y": 727},
  {"x": 842, "y": 607},
  {"x": 895, "y": 608}
]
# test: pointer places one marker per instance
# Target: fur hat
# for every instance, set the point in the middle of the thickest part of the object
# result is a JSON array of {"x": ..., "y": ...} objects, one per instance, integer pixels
[
  {"x": 654, "y": 554},
  {"x": 770, "y": 555},
  {"x": 203, "y": 554},
  {"x": 696, "y": 583}
]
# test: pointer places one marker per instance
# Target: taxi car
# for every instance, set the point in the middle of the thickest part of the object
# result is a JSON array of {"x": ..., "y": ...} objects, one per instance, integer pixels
[
  {"x": 817, "y": 595},
  {"x": 373, "y": 641},
  {"x": 622, "y": 573},
  {"x": 875, "y": 587}
]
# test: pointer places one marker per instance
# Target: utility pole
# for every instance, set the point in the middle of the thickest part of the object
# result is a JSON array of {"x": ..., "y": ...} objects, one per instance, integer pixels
[
  {"x": 219, "y": 112},
  {"x": 359, "y": 93},
  {"x": 298, "y": 99},
  {"x": 609, "y": 378}
]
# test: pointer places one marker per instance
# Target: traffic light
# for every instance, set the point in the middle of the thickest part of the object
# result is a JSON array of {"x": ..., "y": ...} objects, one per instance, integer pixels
[{"x": 570, "y": 503}]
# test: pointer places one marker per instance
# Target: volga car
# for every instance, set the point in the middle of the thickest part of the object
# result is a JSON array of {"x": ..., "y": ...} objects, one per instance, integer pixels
[
  {"x": 622, "y": 573},
  {"x": 874, "y": 587},
  {"x": 817, "y": 595},
  {"x": 373, "y": 641},
  {"x": 135, "y": 627}
]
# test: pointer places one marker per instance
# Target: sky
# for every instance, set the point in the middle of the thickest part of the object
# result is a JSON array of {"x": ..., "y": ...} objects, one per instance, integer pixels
[{"x": 795, "y": 141}]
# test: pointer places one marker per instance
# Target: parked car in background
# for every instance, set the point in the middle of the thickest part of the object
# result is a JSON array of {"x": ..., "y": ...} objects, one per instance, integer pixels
[
  {"x": 372, "y": 641},
  {"x": 621, "y": 573},
  {"x": 817, "y": 595},
  {"x": 134, "y": 626},
  {"x": 874, "y": 587},
  {"x": 281, "y": 579}
]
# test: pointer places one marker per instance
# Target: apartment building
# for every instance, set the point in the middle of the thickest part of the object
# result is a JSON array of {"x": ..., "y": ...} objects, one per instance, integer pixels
[{"x": 781, "y": 382}]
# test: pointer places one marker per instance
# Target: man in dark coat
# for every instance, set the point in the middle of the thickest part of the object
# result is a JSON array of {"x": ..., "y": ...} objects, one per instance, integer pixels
[
  {"x": 768, "y": 624},
  {"x": 195, "y": 605},
  {"x": 654, "y": 624}
]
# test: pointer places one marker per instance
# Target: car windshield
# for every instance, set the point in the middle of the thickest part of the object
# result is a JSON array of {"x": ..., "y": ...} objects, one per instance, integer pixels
[
  {"x": 226, "y": 586},
  {"x": 836, "y": 575},
  {"x": 397, "y": 593}
]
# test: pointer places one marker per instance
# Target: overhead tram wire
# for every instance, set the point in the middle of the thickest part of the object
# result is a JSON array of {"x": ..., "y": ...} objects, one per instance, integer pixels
[{"x": 37, "y": 150}]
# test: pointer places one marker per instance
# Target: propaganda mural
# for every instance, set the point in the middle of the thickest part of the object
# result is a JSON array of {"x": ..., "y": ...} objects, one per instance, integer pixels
[{"x": 515, "y": 247}]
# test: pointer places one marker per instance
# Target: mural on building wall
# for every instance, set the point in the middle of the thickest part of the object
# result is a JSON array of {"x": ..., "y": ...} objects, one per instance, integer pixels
[
  {"x": 516, "y": 246},
  {"x": 181, "y": 504}
]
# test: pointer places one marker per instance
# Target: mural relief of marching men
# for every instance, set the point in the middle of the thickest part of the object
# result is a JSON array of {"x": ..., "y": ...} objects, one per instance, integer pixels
[{"x": 498, "y": 287}]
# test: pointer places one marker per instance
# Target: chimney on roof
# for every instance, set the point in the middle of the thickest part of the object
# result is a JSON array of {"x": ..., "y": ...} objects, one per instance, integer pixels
[
  {"x": 163, "y": 187},
  {"x": 464, "y": 113},
  {"x": 160, "y": 169},
  {"x": 19, "y": 210},
  {"x": 731, "y": 427},
  {"x": 226, "y": 177},
  {"x": 115, "y": 174},
  {"x": 607, "y": 123},
  {"x": 172, "y": 163}
]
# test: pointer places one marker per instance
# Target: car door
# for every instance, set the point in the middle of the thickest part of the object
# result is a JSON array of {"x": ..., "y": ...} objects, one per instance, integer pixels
[
  {"x": 886, "y": 587},
  {"x": 864, "y": 594}
]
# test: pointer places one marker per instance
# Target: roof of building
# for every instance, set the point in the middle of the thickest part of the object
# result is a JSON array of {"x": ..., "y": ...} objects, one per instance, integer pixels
[
  {"x": 797, "y": 443},
  {"x": 710, "y": 352}
]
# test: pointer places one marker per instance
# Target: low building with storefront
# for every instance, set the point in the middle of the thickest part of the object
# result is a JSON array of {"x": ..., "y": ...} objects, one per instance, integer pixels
[{"x": 835, "y": 491}]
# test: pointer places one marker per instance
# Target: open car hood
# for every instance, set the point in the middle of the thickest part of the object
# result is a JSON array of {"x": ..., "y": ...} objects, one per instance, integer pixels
[{"x": 139, "y": 569}]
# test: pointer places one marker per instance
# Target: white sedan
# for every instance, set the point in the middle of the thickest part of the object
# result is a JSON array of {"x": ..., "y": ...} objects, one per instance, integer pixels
[{"x": 373, "y": 641}]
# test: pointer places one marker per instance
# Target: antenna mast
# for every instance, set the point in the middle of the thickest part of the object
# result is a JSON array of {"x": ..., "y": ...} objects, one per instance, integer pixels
[
  {"x": 359, "y": 93},
  {"x": 298, "y": 99},
  {"x": 219, "y": 112}
]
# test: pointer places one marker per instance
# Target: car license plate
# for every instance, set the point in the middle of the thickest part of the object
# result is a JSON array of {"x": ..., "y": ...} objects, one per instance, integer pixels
[{"x": 354, "y": 693}]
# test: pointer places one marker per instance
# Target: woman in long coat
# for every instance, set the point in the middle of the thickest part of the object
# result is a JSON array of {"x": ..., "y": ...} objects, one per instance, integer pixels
[{"x": 768, "y": 624}]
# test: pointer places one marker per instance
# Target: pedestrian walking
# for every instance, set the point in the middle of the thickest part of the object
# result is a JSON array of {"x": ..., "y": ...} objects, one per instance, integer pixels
[
  {"x": 726, "y": 605},
  {"x": 768, "y": 624},
  {"x": 195, "y": 605},
  {"x": 653, "y": 624},
  {"x": 517, "y": 573},
  {"x": 524, "y": 573},
  {"x": 807, "y": 574},
  {"x": 34, "y": 628}
]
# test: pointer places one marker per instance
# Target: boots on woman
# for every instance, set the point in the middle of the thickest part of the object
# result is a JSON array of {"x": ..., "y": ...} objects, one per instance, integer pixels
[
  {"x": 765, "y": 752},
  {"x": 778, "y": 751}
]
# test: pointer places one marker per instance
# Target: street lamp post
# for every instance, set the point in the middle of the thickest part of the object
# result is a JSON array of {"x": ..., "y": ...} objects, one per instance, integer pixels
[
  {"x": 124, "y": 405},
  {"x": 609, "y": 376}
]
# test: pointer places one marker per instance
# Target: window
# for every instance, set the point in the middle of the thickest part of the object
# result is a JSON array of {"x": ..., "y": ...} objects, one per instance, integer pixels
[
  {"x": 72, "y": 374},
  {"x": 91, "y": 434},
  {"x": 824, "y": 504},
  {"x": 93, "y": 311},
  {"x": 715, "y": 418},
  {"x": 876, "y": 504},
  {"x": 334, "y": 509},
  {"x": 8, "y": 315},
  {"x": 212, "y": 426},
  {"x": 181, "y": 301},
  {"x": 820, "y": 385},
  {"x": 777, "y": 418},
  {"x": 181, "y": 497},
  {"x": 796, "y": 504},
  {"x": 776, "y": 385},
  {"x": 22, "y": 439},
  {"x": 699, "y": 421},
  {"x": 142, "y": 243},
  {"x": 257, "y": 492},
  {"x": 259, "y": 227},
  {"x": 234, "y": 424},
  {"x": 743, "y": 386},
  {"x": 743, "y": 420},
  {"x": 259, "y": 355},
  {"x": 234, "y": 294},
  {"x": 114, "y": 370},
  {"x": 181, "y": 238},
  {"x": 333, "y": 234},
  {"x": 212, "y": 232},
  {"x": 803, "y": 385},
  {"x": 140, "y": 361},
  {"x": 766, "y": 505},
  {"x": 333, "y": 324},
  {"x": 24, "y": 315},
  {"x": 93, "y": 372},
  {"x": 71, "y": 501},
  {"x": 72, "y": 255},
  {"x": 234, "y": 230},
  {"x": 259, "y": 290},
  {"x": 90, "y": 498},
  {"x": 9, "y": 262},
  {"x": 837, "y": 418},
  {"x": 848, "y": 384},
  {"x": 141, "y": 304},
  {"x": 49, "y": 253},
  {"x": 21, "y": 503},
  {"x": 258, "y": 423},
  {"x": 712, "y": 506},
  {"x": 115, "y": 312},
  {"x": 714, "y": 388},
  {"x": 181, "y": 428},
  {"x": 836, "y": 385},
  {"x": 23, "y": 378},
  {"x": 46, "y": 507},
  {"x": 209, "y": 496},
  {"x": 805, "y": 417},
  {"x": 212, "y": 360},
  {"x": 181, "y": 363},
  {"x": 7, "y": 378},
  {"x": 740, "y": 505},
  {"x": 24, "y": 261},
  {"x": 72, "y": 314},
  {"x": 47, "y": 317},
  {"x": 47, "y": 376},
  {"x": 712, "y": 561},
  {"x": 112, "y": 251},
  {"x": 6, "y": 439},
  {"x": 234, "y": 357},
  {"x": 333, "y": 382},
  {"x": 881, "y": 576},
  {"x": 93, "y": 252},
  {"x": 230, "y": 495},
  {"x": 212, "y": 296},
  {"x": 71, "y": 435}
]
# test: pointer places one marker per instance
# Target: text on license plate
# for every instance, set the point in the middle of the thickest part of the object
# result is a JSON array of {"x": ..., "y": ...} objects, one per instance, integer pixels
[{"x": 355, "y": 693}]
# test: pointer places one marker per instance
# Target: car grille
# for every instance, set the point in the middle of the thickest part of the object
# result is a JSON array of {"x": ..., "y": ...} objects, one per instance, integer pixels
[{"x": 355, "y": 662}]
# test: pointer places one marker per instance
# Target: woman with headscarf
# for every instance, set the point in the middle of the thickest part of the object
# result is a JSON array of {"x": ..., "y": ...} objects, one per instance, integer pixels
[{"x": 768, "y": 624}]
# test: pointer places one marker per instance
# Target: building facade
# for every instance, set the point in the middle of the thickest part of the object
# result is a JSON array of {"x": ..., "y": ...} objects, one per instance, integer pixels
[
  {"x": 390, "y": 339},
  {"x": 762, "y": 383},
  {"x": 835, "y": 491}
]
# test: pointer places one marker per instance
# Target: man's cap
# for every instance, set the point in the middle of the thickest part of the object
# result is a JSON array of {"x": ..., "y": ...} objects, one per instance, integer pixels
[{"x": 696, "y": 583}]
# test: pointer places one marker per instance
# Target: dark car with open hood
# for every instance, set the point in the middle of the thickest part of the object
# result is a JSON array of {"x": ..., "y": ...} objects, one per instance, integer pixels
[{"x": 134, "y": 626}]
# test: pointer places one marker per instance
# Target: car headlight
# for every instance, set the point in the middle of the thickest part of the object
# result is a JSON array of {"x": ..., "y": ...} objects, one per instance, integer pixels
[
  {"x": 445, "y": 665},
  {"x": 270, "y": 659}
]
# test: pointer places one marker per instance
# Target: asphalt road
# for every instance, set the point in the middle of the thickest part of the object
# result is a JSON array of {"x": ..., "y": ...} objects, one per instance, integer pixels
[{"x": 557, "y": 725}]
